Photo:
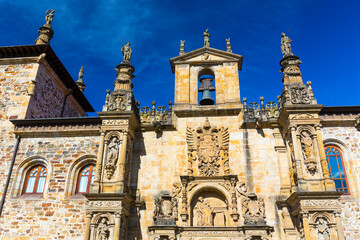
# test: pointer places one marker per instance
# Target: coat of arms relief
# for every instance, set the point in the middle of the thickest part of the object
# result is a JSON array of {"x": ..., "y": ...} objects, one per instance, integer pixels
[{"x": 208, "y": 147}]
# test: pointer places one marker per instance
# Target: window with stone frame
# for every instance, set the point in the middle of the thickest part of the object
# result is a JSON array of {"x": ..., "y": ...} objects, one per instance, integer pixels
[
  {"x": 336, "y": 167},
  {"x": 35, "y": 180},
  {"x": 85, "y": 179}
]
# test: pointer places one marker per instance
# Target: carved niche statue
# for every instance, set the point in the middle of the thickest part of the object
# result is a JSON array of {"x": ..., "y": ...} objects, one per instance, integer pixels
[
  {"x": 49, "y": 16},
  {"x": 127, "y": 52},
  {"x": 102, "y": 231},
  {"x": 322, "y": 228},
  {"x": 206, "y": 38},
  {"x": 308, "y": 152},
  {"x": 205, "y": 211},
  {"x": 285, "y": 45},
  {"x": 210, "y": 147},
  {"x": 112, "y": 157}
]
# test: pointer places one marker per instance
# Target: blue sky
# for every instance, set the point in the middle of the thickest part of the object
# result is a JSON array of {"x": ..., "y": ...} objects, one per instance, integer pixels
[{"x": 88, "y": 33}]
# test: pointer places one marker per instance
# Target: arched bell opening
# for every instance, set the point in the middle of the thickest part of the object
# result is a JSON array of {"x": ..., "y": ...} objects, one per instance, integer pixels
[
  {"x": 206, "y": 77},
  {"x": 209, "y": 208}
]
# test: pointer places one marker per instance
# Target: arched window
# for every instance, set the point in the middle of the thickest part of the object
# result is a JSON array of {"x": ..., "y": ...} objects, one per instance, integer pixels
[
  {"x": 337, "y": 168},
  {"x": 86, "y": 178},
  {"x": 35, "y": 180}
]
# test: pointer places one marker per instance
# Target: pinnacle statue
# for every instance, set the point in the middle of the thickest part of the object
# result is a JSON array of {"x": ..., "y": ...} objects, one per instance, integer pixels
[
  {"x": 45, "y": 32},
  {"x": 80, "y": 81},
  {"x": 126, "y": 52},
  {"x": 285, "y": 45},
  {"x": 206, "y": 38}
]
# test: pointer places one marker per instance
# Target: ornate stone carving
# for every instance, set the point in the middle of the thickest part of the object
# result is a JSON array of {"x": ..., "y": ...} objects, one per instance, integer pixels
[
  {"x": 285, "y": 45},
  {"x": 241, "y": 189},
  {"x": 209, "y": 146},
  {"x": 165, "y": 210},
  {"x": 299, "y": 94},
  {"x": 177, "y": 187},
  {"x": 206, "y": 38},
  {"x": 303, "y": 116},
  {"x": 253, "y": 210},
  {"x": 104, "y": 204},
  {"x": 158, "y": 117},
  {"x": 80, "y": 81},
  {"x": 308, "y": 152},
  {"x": 117, "y": 101},
  {"x": 228, "y": 45},
  {"x": 319, "y": 203},
  {"x": 103, "y": 229},
  {"x": 126, "y": 52},
  {"x": 115, "y": 122},
  {"x": 182, "y": 47},
  {"x": 322, "y": 229},
  {"x": 112, "y": 157}
]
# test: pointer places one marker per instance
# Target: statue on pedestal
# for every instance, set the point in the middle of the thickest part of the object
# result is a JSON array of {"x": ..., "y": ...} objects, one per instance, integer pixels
[
  {"x": 49, "y": 16},
  {"x": 285, "y": 45},
  {"x": 126, "y": 51},
  {"x": 206, "y": 38}
]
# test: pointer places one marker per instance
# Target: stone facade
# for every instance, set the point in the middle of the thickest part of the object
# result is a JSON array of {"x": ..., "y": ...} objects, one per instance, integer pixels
[{"x": 229, "y": 170}]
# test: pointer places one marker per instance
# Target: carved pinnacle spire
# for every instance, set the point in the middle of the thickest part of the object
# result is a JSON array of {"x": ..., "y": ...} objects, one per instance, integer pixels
[
  {"x": 80, "y": 81},
  {"x": 45, "y": 32}
]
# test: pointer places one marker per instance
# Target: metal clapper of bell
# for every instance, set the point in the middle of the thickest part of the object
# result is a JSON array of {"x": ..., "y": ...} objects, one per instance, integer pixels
[{"x": 206, "y": 87}]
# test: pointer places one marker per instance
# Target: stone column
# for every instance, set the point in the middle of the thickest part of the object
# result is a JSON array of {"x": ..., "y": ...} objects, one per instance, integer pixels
[
  {"x": 323, "y": 161},
  {"x": 339, "y": 226},
  {"x": 122, "y": 160},
  {"x": 305, "y": 216},
  {"x": 297, "y": 154},
  {"x": 87, "y": 228},
  {"x": 117, "y": 226},
  {"x": 99, "y": 159}
]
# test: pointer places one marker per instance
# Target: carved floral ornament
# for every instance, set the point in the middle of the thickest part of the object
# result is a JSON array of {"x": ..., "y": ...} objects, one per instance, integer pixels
[{"x": 209, "y": 147}]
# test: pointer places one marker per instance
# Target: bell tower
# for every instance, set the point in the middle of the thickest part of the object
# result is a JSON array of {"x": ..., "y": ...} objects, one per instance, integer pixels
[{"x": 206, "y": 78}]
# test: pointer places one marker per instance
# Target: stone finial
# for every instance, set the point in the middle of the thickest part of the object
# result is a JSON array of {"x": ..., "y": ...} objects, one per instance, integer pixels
[
  {"x": 127, "y": 52},
  {"x": 285, "y": 45},
  {"x": 182, "y": 47},
  {"x": 45, "y": 32},
  {"x": 80, "y": 81},
  {"x": 228, "y": 45},
  {"x": 206, "y": 38}
]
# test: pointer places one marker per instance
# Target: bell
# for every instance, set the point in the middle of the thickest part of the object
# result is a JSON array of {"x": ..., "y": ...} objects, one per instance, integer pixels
[{"x": 206, "y": 98}]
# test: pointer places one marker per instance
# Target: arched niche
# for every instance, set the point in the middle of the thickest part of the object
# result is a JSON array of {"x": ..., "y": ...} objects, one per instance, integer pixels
[
  {"x": 209, "y": 208},
  {"x": 206, "y": 82}
]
